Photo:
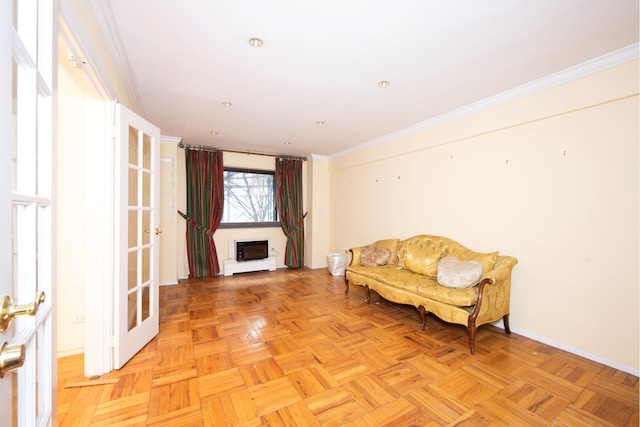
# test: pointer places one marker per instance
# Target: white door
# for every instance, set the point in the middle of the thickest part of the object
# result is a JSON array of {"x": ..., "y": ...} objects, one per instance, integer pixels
[
  {"x": 138, "y": 191},
  {"x": 27, "y": 79}
]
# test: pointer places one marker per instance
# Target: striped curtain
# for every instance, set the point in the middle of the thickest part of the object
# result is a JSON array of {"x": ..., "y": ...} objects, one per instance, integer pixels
[
  {"x": 205, "y": 202},
  {"x": 289, "y": 205}
]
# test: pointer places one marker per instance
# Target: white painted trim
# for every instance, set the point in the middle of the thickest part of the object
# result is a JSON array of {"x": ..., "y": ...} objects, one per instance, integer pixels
[
  {"x": 319, "y": 157},
  {"x": 99, "y": 219},
  {"x": 170, "y": 140},
  {"x": 595, "y": 65},
  {"x": 169, "y": 283},
  {"x": 106, "y": 21}
]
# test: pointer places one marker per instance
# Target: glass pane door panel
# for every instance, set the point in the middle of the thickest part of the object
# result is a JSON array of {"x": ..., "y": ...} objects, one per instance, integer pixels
[
  {"x": 133, "y": 146},
  {"x": 44, "y": 147},
  {"x": 132, "y": 310},
  {"x": 146, "y": 151},
  {"x": 132, "y": 229},
  {"x": 14, "y": 250},
  {"x": 146, "y": 189},
  {"x": 145, "y": 303},
  {"x": 133, "y": 187},
  {"x": 146, "y": 263},
  {"x": 14, "y": 130},
  {"x": 146, "y": 227},
  {"x": 25, "y": 131},
  {"x": 132, "y": 277}
]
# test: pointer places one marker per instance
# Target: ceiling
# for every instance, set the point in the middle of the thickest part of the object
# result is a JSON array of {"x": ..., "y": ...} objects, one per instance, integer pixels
[{"x": 322, "y": 61}]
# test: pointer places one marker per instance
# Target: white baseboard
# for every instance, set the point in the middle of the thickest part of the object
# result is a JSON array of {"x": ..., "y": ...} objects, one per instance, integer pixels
[
  {"x": 169, "y": 283},
  {"x": 570, "y": 349},
  {"x": 71, "y": 352}
]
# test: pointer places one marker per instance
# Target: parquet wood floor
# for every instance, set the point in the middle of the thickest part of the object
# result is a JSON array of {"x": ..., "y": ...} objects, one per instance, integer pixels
[{"x": 287, "y": 348}]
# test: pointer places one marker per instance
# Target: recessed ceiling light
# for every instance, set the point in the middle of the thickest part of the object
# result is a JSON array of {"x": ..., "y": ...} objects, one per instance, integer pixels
[
  {"x": 255, "y": 42},
  {"x": 319, "y": 122},
  {"x": 384, "y": 83},
  {"x": 287, "y": 143},
  {"x": 226, "y": 104},
  {"x": 213, "y": 132}
]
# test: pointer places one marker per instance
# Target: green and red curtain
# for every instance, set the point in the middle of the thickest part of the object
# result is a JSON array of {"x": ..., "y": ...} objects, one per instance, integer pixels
[
  {"x": 205, "y": 203},
  {"x": 289, "y": 206}
]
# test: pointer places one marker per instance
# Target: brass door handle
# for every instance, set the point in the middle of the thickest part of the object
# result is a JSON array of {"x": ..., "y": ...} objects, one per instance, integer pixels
[
  {"x": 8, "y": 310},
  {"x": 158, "y": 231},
  {"x": 11, "y": 357}
]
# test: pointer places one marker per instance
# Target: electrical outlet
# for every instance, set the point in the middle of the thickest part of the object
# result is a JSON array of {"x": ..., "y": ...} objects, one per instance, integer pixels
[{"x": 78, "y": 318}]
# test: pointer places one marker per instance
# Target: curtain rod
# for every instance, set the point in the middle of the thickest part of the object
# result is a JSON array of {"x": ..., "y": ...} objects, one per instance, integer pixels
[{"x": 253, "y": 153}]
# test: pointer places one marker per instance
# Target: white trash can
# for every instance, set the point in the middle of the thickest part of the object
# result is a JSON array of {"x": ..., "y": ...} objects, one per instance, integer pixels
[{"x": 337, "y": 264}]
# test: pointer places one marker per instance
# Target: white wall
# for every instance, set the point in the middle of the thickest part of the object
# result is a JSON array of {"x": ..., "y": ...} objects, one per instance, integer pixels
[
  {"x": 317, "y": 222},
  {"x": 70, "y": 211},
  {"x": 551, "y": 179}
]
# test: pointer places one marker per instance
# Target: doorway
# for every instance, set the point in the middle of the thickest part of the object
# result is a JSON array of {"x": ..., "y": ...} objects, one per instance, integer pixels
[{"x": 83, "y": 279}]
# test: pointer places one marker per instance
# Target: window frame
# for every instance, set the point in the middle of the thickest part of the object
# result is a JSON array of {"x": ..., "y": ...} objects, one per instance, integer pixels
[{"x": 265, "y": 224}]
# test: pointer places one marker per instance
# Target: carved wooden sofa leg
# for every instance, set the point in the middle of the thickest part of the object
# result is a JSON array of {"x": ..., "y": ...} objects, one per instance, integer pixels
[
  {"x": 472, "y": 334},
  {"x": 346, "y": 285},
  {"x": 368, "y": 300},
  {"x": 423, "y": 316},
  {"x": 505, "y": 321}
]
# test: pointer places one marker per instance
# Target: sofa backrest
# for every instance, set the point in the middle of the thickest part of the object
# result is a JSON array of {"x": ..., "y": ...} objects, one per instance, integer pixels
[{"x": 421, "y": 254}]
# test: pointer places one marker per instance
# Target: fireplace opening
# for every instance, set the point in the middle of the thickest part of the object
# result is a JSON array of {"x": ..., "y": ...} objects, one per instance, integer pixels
[{"x": 250, "y": 250}]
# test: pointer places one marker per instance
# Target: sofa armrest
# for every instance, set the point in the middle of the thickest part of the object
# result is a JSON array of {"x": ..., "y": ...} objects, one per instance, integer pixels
[
  {"x": 501, "y": 270},
  {"x": 494, "y": 294},
  {"x": 355, "y": 255}
]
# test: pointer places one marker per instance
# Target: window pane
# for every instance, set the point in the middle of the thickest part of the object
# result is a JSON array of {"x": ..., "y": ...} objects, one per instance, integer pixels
[{"x": 248, "y": 197}]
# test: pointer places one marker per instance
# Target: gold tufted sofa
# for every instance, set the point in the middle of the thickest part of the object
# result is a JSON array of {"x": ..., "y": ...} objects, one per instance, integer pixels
[{"x": 410, "y": 277}]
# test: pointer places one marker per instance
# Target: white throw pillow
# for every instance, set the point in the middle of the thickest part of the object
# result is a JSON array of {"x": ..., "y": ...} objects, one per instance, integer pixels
[{"x": 454, "y": 273}]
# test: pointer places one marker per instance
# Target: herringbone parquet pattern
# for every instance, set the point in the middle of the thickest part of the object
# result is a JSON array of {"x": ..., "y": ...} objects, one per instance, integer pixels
[{"x": 287, "y": 348}]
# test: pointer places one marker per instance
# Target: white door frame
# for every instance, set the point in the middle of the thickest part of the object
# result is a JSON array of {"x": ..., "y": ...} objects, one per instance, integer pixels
[{"x": 99, "y": 213}]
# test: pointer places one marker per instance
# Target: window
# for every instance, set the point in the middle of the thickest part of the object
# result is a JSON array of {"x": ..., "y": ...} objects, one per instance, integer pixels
[{"x": 249, "y": 199}]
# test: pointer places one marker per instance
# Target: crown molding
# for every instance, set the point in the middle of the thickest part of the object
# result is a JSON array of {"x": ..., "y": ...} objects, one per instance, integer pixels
[
  {"x": 165, "y": 139},
  {"x": 71, "y": 32},
  {"x": 595, "y": 65},
  {"x": 106, "y": 22}
]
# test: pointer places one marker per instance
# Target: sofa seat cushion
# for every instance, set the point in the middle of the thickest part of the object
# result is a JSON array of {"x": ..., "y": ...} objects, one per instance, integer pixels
[
  {"x": 466, "y": 297},
  {"x": 392, "y": 276}
]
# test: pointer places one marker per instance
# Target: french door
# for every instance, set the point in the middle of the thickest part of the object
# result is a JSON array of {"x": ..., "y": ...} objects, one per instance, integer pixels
[
  {"x": 138, "y": 193},
  {"x": 27, "y": 80}
]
